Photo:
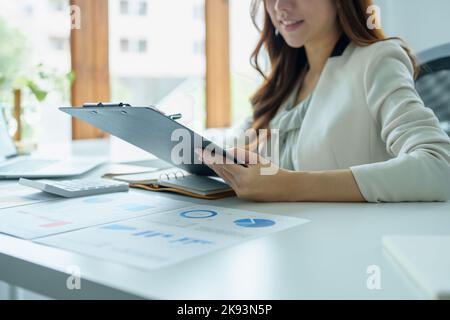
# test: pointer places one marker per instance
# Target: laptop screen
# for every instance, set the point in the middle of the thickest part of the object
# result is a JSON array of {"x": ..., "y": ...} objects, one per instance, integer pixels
[{"x": 7, "y": 147}]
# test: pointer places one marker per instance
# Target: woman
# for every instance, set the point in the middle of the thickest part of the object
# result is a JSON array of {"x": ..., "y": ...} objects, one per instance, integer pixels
[{"x": 352, "y": 126}]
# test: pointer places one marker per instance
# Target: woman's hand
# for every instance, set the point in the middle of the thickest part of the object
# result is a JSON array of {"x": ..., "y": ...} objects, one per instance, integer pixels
[
  {"x": 259, "y": 181},
  {"x": 262, "y": 181}
]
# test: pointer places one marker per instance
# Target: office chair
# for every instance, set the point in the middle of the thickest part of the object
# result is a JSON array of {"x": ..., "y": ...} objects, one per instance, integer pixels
[{"x": 433, "y": 83}]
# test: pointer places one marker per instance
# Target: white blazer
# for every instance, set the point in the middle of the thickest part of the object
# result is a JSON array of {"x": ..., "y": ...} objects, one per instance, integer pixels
[{"x": 365, "y": 115}]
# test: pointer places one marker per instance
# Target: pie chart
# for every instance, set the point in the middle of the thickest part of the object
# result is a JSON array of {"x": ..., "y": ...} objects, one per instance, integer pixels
[
  {"x": 254, "y": 223},
  {"x": 198, "y": 214}
]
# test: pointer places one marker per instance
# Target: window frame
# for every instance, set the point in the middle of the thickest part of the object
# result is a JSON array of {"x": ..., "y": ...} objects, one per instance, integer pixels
[{"x": 90, "y": 62}]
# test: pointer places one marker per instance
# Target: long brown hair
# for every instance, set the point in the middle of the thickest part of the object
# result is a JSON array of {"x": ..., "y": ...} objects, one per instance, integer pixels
[{"x": 287, "y": 64}]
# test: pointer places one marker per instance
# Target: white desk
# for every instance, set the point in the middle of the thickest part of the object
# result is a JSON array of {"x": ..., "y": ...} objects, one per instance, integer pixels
[{"x": 324, "y": 259}]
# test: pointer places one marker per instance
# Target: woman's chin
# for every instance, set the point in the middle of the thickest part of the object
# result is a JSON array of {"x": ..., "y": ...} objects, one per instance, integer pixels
[{"x": 294, "y": 43}]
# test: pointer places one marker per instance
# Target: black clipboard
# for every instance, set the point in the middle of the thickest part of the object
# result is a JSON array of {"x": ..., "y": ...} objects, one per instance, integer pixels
[{"x": 145, "y": 128}]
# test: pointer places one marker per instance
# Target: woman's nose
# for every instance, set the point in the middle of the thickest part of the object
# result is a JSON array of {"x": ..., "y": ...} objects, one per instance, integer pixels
[{"x": 283, "y": 5}]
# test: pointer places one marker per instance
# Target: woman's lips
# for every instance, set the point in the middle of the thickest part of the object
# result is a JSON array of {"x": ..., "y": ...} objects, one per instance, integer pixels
[{"x": 290, "y": 26}]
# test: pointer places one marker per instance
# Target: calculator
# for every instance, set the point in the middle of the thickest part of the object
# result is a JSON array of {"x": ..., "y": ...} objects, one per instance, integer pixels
[{"x": 76, "y": 188}]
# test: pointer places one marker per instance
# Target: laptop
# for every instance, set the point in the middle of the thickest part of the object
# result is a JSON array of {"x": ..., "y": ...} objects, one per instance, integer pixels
[{"x": 13, "y": 166}]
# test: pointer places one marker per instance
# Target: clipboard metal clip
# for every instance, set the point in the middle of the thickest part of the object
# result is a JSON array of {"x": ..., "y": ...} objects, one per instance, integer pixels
[
  {"x": 176, "y": 116},
  {"x": 105, "y": 104}
]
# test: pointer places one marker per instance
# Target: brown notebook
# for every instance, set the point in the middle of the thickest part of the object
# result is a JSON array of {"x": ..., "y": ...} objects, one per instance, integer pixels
[{"x": 178, "y": 181}]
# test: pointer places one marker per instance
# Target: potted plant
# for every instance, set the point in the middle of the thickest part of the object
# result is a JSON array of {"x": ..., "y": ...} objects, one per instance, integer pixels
[
  {"x": 23, "y": 88},
  {"x": 31, "y": 89}
]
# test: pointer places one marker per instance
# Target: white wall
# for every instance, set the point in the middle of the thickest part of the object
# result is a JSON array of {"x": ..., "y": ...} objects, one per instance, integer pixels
[{"x": 422, "y": 24}]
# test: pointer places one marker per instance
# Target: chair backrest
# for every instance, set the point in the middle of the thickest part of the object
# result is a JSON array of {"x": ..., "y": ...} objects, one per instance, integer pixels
[{"x": 433, "y": 83}]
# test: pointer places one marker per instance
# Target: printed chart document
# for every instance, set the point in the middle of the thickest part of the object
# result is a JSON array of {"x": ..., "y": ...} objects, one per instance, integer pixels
[
  {"x": 38, "y": 220},
  {"x": 17, "y": 195},
  {"x": 169, "y": 237}
]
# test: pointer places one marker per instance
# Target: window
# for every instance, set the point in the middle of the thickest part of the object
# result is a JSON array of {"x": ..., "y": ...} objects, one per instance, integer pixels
[
  {"x": 143, "y": 8},
  {"x": 171, "y": 75},
  {"x": 40, "y": 42},
  {"x": 142, "y": 48},
  {"x": 244, "y": 79},
  {"x": 124, "y": 45},
  {"x": 124, "y": 7},
  {"x": 133, "y": 46},
  {"x": 199, "y": 12},
  {"x": 133, "y": 7},
  {"x": 199, "y": 47},
  {"x": 58, "y": 5},
  {"x": 28, "y": 9},
  {"x": 59, "y": 43}
]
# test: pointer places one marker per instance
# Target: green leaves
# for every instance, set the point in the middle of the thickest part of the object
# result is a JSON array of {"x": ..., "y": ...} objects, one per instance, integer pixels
[
  {"x": 37, "y": 92},
  {"x": 24, "y": 82},
  {"x": 35, "y": 81},
  {"x": 2, "y": 79},
  {"x": 41, "y": 80},
  {"x": 70, "y": 76},
  {"x": 13, "y": 53}
]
